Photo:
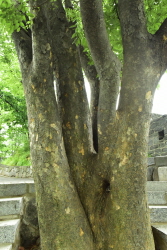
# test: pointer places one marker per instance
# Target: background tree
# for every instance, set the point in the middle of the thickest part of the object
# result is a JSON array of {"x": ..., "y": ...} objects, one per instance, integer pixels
[
  {"x": 14, "y": 144},
  {"x": 90, "y": 167}
]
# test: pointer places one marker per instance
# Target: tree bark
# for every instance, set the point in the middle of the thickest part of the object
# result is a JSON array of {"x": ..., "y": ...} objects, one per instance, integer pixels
[
  {"x": 88, "y": 200},
  {"x": 94, "y": 82},
  {"x": 57, "y": 196},
  {"x": 106, "y": 63}
]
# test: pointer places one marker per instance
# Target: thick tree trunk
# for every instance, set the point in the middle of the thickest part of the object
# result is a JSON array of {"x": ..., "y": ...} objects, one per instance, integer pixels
[
  {"x": 86, "y": 199},
  {"x": 129, "y": 211},
  {"x": 62, "y": 220}
]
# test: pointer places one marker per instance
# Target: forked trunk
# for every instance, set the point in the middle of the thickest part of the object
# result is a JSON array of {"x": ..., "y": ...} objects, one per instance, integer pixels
[{"x": 88, "y": 199}]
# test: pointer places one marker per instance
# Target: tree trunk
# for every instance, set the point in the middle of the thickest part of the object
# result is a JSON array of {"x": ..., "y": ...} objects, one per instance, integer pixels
[{"x": 90, "y": 199}]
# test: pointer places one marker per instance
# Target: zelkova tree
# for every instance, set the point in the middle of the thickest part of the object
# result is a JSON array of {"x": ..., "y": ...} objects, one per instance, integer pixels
[{"x": 89, "y": 165}]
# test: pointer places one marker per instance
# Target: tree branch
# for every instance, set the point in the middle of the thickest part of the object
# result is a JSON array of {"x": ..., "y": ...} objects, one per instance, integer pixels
[
  {"x": 41, "y": 37},
  {"x": 137, "y": 42},
  {"x": 133, "y": 22},
  {"x": 47, "y": 145},
  {"x": 96, "y": 34},
  {"x": 72, "y": 95},
  {"x": 106, "y": 62},
  {"x": 161, "y": 36},
  {"x": 91, "y": 75},
  {"x": 23, "y": 44}
]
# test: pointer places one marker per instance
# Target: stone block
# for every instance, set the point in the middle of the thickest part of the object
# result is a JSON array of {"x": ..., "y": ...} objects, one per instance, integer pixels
[
  {"x": 8, "y": 230},
  {"x": 150, "y": 142},
  {"x": 5, "y": 246},
  {"x": 150, "y": 153},
  {"x": 12, "y": 174},
  {"x": 162, "y": 173},
  {"x": 161, "y": 161},
  {"x": 151, "y": 131},
  {"x": 161, "y": 144},
  {"x": 12, "y": 189},
  {"x": 157, "y": 186},
  {"x": 31, "y": 188},
  {"x": 158, "y": 214},
  {"x": 164, "y": 151},
  {"x": 10, "y": 206},
  {"x": 155, "y": 174},
  {"x": 153, "y": 147},
  {"x": 31, "y": 172},
  {"x": 150, "y": 161},
  {"x": 24, "y": 175},
  {"x": 158, "y": 152},
  {"x": 157, "y": 197},
  {"x": 156, "y": 139},
  {"x": 150, "y": 173}
]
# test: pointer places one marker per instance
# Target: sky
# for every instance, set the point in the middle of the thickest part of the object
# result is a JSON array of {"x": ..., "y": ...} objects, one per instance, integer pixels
[{"x": 160, "y": 97}]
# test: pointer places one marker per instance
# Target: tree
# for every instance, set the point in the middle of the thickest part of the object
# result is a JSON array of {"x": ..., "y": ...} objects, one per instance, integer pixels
[
  {"x": 13, "y": 123},
  {"x": 90, "y": 164}
]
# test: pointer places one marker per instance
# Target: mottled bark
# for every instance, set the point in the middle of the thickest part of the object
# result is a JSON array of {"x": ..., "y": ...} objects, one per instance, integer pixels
[
  {"x": 94, "y": 82},
  {"x": 107, "y": 65},
  {"x": 87, "y": 200},
  {"x": 125, "y": 155},
  {"x": 62, "y": 220}
]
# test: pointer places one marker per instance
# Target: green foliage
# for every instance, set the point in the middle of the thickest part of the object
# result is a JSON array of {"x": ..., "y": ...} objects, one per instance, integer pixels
[
  {"x": 21, "y": 155},
  {"x": 156, "y": 12},
  {"x": 12, "y": 101},
  {"x": 73, "y": 15},
  {"x": 111, "y": 15},
  {"x": 14, "y": 15},
  {"x": 13, "y": 122},
  {"x": 14, "y": 145},
  {"x": 112, "y": 25},
  {"x": 17, "y": 14}
]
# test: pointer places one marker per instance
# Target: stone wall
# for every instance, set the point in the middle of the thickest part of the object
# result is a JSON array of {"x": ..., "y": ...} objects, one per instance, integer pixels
[
  {"x": 155, "y": 116},
  {"x": 157, "y": 168},
  {"x": 157, "y": 142},
  {"x": 16, "y": 171}
]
